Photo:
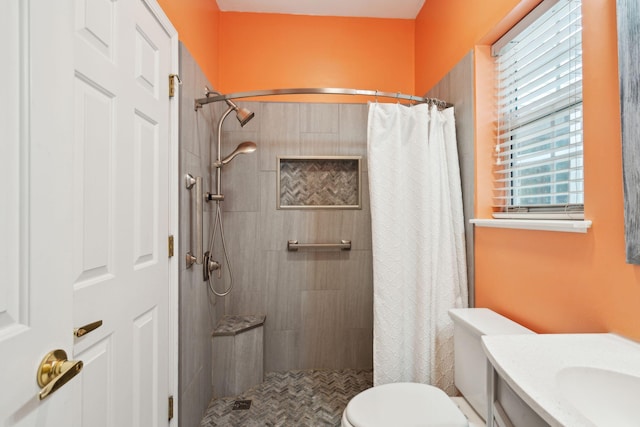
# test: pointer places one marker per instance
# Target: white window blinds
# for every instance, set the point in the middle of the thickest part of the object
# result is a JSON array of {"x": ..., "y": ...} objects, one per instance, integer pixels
[{"x": 539, "y": 164}]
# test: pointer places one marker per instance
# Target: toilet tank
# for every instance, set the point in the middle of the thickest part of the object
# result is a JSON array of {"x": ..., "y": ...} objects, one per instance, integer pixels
[{"x": 471, "y": 364}]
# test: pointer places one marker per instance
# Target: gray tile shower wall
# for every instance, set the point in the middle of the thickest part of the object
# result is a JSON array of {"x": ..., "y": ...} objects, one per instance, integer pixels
[
  {"x": 196, "y": 315},
  {"x": 319, "y": 305}
]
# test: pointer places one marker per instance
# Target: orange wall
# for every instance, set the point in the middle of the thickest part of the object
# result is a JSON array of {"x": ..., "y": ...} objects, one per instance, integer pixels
[
  {"x": 270, "y": 51},
  {"x": 447, "y": 30},
  {"x": 197, "y": 22},
  {"x": 242, "y": 52},
  {"x": 549, "y": 281}
]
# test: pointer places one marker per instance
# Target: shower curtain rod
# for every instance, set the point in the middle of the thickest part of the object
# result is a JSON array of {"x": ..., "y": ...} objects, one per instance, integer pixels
[{"x": 321, "y": 91}]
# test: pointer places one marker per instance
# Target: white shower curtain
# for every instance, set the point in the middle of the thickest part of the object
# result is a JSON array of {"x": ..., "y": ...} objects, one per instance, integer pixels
[{"x": 419, "y": 263}]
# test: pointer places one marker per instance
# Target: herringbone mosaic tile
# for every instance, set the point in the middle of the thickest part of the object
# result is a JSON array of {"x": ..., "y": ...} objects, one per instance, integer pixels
[
  {"x": 295, "y": 398},
  {"x": 319, "y": 182}
]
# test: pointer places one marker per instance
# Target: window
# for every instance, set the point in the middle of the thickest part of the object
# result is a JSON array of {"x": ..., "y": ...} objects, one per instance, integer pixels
[{"x": 539, "y": 167}]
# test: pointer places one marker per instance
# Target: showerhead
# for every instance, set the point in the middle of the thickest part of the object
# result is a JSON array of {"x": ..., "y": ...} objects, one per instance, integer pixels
[
  {"x": 242, "y": 114},
  {"x": 243, "y": 148}
]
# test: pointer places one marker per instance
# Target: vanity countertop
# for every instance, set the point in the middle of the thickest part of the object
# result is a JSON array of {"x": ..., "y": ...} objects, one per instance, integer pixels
[{"x": 530, "y": 364}]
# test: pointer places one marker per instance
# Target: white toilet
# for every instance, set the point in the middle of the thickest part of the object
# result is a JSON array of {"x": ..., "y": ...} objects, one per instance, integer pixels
[{"x": 413, "y": 404}]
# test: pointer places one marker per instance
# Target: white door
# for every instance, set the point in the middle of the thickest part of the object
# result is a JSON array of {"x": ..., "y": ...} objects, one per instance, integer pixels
[{"x": 85, "y": 170}]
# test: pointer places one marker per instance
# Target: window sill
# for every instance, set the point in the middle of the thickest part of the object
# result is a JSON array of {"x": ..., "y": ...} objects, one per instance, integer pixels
[{"x": 567, "y": 226}]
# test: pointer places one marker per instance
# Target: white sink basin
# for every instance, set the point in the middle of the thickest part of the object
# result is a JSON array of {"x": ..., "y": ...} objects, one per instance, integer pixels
[
  {"x": 602, "y": 396},
  {"x": 572, "y": 380}
]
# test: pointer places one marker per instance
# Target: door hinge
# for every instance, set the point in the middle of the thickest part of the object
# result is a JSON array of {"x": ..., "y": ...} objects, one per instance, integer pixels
[
  {"x": 170, "y": 246},
  {"x": 172, "y": 88},
  {"x": 170, "y": 408}
]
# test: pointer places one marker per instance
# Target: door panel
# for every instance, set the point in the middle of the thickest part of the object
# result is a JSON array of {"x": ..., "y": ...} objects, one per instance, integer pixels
[
  {"x": 93, "y": 181},
  {"x": 146, "y": 172},
  {"x": 12, "y": 209},
  {"x": 145, "y": 367},
  {"x": 97, "y": 377}
]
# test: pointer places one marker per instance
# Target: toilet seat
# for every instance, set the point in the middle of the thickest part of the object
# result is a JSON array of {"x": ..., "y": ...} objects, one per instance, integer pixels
[{"x": 403, "y": 404}]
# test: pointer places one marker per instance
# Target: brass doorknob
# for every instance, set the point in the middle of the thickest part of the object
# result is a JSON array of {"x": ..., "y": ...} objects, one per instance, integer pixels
[{"x": 55, "y": 371}]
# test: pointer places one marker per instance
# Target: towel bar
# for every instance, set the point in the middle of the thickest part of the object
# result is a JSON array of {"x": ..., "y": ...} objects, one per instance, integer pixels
[{"x": 293, "y": 245}]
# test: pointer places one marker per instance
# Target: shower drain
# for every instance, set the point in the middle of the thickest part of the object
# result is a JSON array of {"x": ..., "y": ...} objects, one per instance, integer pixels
[{"x": 240, "y": 405}]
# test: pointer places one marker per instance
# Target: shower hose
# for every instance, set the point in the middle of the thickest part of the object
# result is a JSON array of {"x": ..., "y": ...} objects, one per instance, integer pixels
[{"x": 217, "y": 223}]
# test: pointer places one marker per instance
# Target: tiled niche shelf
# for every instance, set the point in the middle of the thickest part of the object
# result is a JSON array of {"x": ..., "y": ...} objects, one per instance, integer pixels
[{"x": 319, "y": 182}]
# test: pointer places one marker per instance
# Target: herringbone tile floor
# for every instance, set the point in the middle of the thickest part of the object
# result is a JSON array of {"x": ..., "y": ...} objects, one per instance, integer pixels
[{"x": 295, "y": 398}]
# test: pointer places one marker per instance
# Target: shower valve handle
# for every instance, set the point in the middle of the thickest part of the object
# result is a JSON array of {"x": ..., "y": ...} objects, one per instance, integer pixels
[
  {"x": 210, "y": 265},
  {"x": 215, "y": 266}
]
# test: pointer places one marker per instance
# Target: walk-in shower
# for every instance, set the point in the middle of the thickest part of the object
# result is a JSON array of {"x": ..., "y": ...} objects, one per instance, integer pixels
[{"x": 209, "y": 264}]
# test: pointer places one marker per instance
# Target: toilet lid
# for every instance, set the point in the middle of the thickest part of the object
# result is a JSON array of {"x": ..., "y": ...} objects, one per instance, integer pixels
[{"x": 404, "y": 404}]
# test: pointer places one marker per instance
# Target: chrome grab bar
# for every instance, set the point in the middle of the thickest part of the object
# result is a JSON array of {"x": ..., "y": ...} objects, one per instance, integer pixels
[
  {"x": 293, "y": 245},
  {"x": 191, "y": 182}
]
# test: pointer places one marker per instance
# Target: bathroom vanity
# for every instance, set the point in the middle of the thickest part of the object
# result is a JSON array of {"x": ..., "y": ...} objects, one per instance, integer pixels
[{"x": 563, "y": 380}]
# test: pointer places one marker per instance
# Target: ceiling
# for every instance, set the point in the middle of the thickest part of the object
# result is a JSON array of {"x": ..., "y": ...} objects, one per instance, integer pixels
[{"x": 404, "y": 9}]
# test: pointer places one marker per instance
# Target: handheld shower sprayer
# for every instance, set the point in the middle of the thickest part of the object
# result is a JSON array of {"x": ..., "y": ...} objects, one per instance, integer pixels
[{"x": 243, "y": 148}]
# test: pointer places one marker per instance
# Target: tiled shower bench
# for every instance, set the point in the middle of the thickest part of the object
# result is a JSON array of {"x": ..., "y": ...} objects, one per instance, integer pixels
[{"x": 238, "y": 354}]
